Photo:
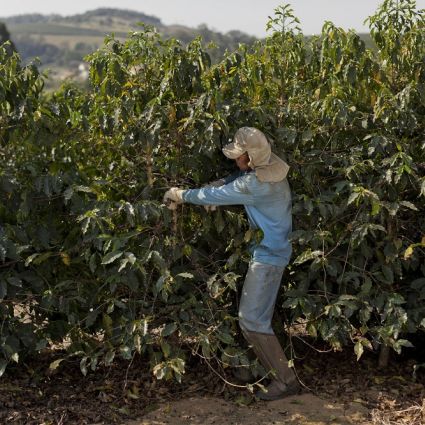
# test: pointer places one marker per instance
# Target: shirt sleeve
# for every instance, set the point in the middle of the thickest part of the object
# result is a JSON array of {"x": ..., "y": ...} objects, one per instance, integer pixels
[
  {"x": 234, "y": 193},
  {"x": 233, "y": 176}
]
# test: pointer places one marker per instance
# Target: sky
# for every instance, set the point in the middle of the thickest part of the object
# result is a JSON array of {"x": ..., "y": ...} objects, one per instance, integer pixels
[{"x": 249, "y": 16}]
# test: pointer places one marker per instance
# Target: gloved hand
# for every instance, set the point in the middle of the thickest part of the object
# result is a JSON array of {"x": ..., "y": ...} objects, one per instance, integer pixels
[{"x": 173, "y": 197}]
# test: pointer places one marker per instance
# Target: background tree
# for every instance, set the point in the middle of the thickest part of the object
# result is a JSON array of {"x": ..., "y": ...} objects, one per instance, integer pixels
[{"x": 5, "y": 36}]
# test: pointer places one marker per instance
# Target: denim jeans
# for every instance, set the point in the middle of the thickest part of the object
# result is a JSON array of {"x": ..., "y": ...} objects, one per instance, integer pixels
[{"x": 258, "y": 298}]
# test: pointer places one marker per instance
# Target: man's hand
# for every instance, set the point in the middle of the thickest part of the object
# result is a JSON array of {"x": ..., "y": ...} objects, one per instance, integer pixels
[{"x": 173, "y": 197}]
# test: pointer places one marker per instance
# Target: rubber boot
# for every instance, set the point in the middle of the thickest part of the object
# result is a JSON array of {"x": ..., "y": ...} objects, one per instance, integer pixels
[{"x": 270, "y": 353}]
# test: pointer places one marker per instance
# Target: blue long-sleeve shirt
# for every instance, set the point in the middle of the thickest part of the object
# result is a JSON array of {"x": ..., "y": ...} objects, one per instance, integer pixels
[{"x": 268, "y": 206}]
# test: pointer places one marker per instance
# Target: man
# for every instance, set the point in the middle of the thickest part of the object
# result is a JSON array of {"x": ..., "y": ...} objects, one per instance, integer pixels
[{"x": 262, "y": 187}]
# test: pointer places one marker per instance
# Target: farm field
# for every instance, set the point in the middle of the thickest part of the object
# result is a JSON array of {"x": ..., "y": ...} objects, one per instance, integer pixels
[
  {"x": 57, "y": 29},
  {"x": 115, "y": 308}
]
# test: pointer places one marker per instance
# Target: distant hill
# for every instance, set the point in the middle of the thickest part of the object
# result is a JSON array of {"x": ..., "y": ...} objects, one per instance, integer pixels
[
  {"x": 92, "y": 15},
  {"x": 61, "y": 42}
]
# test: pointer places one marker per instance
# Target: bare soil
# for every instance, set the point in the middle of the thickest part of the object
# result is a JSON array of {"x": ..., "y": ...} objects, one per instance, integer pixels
[
  {"x": 305, "y": 409},
  {"x": 338, "y": 390}
]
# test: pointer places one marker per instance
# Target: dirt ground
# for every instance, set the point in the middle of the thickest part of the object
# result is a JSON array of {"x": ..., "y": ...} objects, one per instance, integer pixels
[
  {"x": 306, "y": 409},
  {"x": 339, "y": 390}
]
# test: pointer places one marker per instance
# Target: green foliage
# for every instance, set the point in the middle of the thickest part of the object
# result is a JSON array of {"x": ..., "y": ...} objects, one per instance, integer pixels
[
  {"x": 90, "y": 258},
  {"x": 56, "y": 40}
]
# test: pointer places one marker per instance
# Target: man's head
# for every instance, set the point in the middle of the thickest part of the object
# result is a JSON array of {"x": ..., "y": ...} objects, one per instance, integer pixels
[
  {"x": 251, "y": 150},
  {"x": 247, "y": 140}
]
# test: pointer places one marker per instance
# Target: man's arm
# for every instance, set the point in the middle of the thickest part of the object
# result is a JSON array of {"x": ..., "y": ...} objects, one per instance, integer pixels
[{"x": 233, "y": 193}]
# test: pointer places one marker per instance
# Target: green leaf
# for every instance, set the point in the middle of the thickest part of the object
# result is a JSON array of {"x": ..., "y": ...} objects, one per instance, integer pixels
[
  {"x": 160, "y": 283},
  {"x": 307, "y": 135},
  {"x": 126, "y": 352},
  {"x": 405, "y": 343},
  {"x": 409, "y": 205},
  {"x": 187, "y": 250},
  {"x": 388, "y": 273},
  {"x": 137, "y": 341},
  {"x": 225, "y": 337},
  {"x": 397, "y": 346},
  {"x": 422, "y": 192},
  {"x": 178, "y": 366},
  {"x": 29, "y": 259},
  {"x": 111, "y": 257},
  {"x": 93, "y": 363},
  {"x": 248, "y": 235},
  {"x": 107, "y": 324},
  {"x": 15, "y": 281},
  {"x": 92, "y": 262},
  {"x": 3, "y": 289},
  {"x": 358, "y": 349},
  {"x": 109, "y": 357},
  {"x": 408, "y": 253},
  {"x": 91, "y": 317},
  {"x": 166, "y": 349},
  {"x": 353, "y": 197},
  {"x": 68, "y": 194},
  {"x": 54, "y": 365},
  {"x": 83, "y": 189},
  {"x": 3, "y": 365},
  {"x": 312, "y": 330},
  {"x": 169, "y": 329},
  {"x": 123, "y": 264},
  {"x": 41, "y": 344},
  {"x": 308, "y": 255},
  {"x": 418, "y": 283},
  {"x": 41, "y": 258},
  {"x": 231, "y": 279},
  {"x": 158, "y": 260},
  {"x": 186, "y": 275},
  {"x": 83, "y": 365},
  {"x": 160, "y": 370},
  {"x": 376, "y": 207}
]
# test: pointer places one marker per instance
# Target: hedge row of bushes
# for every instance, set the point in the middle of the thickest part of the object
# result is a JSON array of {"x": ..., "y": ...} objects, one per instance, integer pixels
[{"x": 92, "y": 261}]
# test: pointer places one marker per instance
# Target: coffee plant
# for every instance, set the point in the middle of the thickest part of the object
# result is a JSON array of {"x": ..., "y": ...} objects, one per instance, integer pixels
[{"x": 93, "y": 263}]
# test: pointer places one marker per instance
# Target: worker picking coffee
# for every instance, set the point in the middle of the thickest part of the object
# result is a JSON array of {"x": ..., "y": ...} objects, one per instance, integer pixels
[{"x": 261, "y": 186}]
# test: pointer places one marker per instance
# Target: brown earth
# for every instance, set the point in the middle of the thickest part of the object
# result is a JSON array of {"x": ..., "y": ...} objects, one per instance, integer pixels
[
  {"x": 306, "y": 409},
  {"x": 339, "y": 390}
]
